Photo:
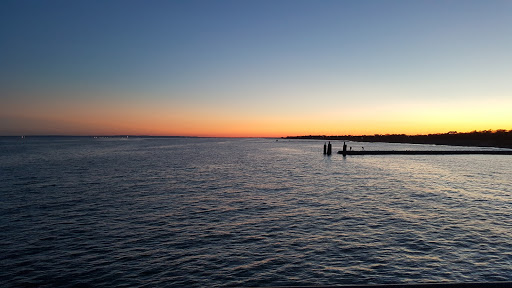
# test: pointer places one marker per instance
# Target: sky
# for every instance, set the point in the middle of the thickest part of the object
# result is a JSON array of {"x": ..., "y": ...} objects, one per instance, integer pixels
[{"x": 254, "y": 68}]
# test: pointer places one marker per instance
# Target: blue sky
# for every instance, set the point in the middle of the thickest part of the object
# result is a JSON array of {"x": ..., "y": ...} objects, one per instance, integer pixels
[{"x": 282, "y": 60}]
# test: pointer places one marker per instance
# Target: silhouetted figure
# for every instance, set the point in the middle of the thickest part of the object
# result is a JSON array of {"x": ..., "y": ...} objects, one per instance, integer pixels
[
  {"x": 344, "y": 149},
  {"x": 329, "y": 148},
  {"x": 325, "y": 148}
]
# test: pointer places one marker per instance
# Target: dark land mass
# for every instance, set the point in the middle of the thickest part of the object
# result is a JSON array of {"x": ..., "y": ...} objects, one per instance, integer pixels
[{"x": 486, "y": 138}]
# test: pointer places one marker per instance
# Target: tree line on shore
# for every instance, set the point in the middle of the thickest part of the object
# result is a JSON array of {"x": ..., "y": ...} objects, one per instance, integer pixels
[{"x": 486, "y": 138}]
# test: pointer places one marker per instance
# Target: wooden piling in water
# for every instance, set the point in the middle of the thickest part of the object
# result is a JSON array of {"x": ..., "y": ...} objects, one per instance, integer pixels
[{"x": 344, "y": 149}]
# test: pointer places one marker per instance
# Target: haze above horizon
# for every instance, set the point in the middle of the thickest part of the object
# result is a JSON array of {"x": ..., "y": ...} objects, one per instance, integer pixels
[{"x": 254, "y": 68}]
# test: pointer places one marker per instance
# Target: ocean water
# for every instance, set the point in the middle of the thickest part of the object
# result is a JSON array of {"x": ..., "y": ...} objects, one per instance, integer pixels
[{"x": 187, "y": 212}]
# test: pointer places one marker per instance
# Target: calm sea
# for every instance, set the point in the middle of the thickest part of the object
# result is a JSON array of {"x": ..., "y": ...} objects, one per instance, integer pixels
[{"x": 177, "y": 212}]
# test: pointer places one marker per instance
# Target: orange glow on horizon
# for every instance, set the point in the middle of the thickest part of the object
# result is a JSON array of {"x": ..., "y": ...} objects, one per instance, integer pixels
[{"x": 97, "y": 116}]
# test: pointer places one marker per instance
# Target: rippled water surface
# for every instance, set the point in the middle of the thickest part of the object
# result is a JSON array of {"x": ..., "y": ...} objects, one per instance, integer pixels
[{"x": 178, "y": 212}]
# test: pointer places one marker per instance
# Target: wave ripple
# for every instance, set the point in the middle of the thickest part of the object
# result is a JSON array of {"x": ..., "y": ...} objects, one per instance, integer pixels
[{"x": 247, "y": 212}]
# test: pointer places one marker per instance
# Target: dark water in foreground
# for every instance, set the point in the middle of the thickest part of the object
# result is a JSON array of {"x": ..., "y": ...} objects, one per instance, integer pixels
[{"x": 248, "y": 212}]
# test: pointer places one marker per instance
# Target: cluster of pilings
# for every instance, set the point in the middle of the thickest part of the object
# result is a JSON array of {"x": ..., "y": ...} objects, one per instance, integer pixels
[{"x": 328, "y": 149}]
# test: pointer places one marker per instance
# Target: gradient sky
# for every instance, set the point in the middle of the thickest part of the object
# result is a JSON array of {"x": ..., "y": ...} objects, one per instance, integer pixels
[{"x": 254, "y": 68}]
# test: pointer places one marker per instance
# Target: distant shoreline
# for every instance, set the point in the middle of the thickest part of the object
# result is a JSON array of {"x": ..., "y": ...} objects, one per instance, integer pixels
[{"x": 487, "y": 138}]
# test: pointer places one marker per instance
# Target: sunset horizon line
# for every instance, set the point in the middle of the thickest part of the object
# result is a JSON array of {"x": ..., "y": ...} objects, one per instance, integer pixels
[{"x": 255, "y": 136}]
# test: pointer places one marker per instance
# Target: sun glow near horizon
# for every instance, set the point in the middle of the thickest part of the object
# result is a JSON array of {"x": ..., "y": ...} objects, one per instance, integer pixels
[
  {"x": 255, "y": 69},
  {"x": 67, "y": 116}
]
